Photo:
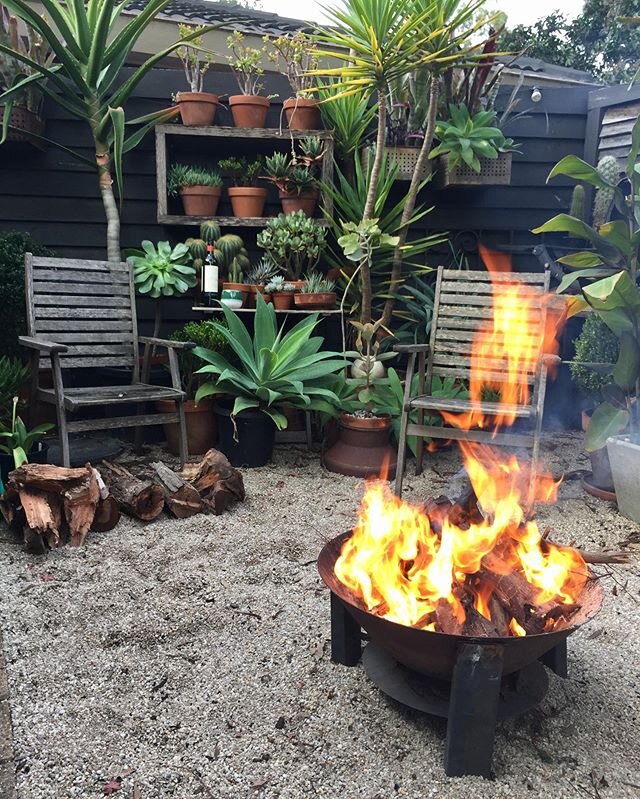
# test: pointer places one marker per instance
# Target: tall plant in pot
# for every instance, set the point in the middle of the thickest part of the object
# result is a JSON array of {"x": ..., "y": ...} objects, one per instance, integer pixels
[
  {"x": 268, "y": 372},
  {"x": 197, "y": 107},
  {"x": 615, "y": 252},
  {"x": 295, "y": 176},
  {"x": 247, "y": 198},
  {"x": 296, "y": 55},
  {"x": 294, "y": 243},
  {"x": 198, "y": 187},
  {"x": 249, "y": 108}
]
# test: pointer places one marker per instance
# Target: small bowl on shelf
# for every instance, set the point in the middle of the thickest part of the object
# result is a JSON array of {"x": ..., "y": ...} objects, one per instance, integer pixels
[{"x": 232, "y": 298}]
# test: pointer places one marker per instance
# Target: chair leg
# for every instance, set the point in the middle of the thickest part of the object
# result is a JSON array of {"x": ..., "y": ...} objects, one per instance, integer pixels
[
  {"x": 63, "y": 435},
  {"x": 420, "y": 451},
  {"x": 402, "y": 452},
  {"x": 422, "y": 363},
  {"x": 182, "y": 429},
  {"x": 307, "y": 429}
]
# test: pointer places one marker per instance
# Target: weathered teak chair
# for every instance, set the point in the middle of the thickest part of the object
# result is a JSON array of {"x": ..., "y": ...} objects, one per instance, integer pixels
[
  {"x": 463, "y": 300},
  {"x": 80, "y": 315}
]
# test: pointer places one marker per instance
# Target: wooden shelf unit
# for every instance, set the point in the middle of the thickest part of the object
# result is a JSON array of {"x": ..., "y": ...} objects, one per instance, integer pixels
[
  {"x": 218, "y": 309},
  {"x": 219, "y": 132}
]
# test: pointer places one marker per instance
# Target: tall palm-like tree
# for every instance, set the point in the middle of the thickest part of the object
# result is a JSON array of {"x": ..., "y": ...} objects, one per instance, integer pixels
[{"x": 92, "y": 43}]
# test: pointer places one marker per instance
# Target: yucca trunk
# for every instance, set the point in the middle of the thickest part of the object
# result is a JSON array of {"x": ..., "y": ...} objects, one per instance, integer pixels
[
  {"x": 410, "y": 201},
  {"x": 111, "y": 211}
]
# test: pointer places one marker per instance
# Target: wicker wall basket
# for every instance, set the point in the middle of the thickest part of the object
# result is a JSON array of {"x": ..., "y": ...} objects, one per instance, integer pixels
[
  {"x": 23, "y": 123},
  {"x": 494, "y": 172},
  {"x": 405, "y": 157}
]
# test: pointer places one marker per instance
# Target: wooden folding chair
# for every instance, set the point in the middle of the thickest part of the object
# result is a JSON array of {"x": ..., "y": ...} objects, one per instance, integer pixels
[
  {"x": 81, "y": 315},
  {"x": 463, "y": 301}
]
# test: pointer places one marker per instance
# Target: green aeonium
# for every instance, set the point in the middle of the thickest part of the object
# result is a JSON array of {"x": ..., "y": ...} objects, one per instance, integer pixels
[{"x": 162, "y": 271}]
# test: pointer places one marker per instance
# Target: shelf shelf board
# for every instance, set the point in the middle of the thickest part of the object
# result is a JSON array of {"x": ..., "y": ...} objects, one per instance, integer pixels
[
  {"x": 218, "y": 309},
  {"x": 219, "y": 131},
  {"x": 224, "y": 221}
]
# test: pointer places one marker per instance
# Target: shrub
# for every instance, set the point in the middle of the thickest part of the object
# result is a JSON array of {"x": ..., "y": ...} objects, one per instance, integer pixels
[{"x": 595, "y": 344}]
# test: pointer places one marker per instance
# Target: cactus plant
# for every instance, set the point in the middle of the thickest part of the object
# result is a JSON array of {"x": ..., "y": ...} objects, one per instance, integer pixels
[
  {"x": 231, "y": 255},
  {"x": 577, "y": 202},
  {"x": 610, "y": 171},
  {"x": 210, "y": 231}
]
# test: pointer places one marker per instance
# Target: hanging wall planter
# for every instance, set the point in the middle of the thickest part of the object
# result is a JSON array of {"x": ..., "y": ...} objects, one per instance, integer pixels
[
  {"x": 494, "y": 172},
  {"x": 23, "y": 123},
  {"x": 405, "y": 158}
]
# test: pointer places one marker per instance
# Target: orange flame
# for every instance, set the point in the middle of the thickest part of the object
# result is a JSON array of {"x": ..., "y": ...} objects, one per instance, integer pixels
[{"x": 401, "y": 564}]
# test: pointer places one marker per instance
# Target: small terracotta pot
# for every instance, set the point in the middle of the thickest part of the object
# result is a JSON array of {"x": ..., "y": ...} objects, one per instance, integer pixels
[
  {"x": 200, "y": 200},
  {"x": 299, "y": 284},
  {"x": 201, "y": 422},
  {"x": 252, "y": 290},
  {"x": 249, "y": 110},
  {"x": 241, "y": 287},
  {"x": 302, "y": 114},
  {"x": 363, "y": 448},
  {"x": 197, "y": 108},
  {"x": 247, "y": 201},
  {"x": 282, "y": 300},
  {"x": 291, "y": 201},
  {"x": 319, "y": 301}
]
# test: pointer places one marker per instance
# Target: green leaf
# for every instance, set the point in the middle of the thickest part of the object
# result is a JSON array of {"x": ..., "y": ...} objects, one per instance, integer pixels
[
  {"x": 634, "y": 152},
  {"x": 244, "y": 404},
  {"x": 563, "y": 223},
  {"x": 576, "y": 168},
  {"x": 581, "y": 259},
  {"x": 571, "y": 278},
  {"x": 117, "y": 120},
  {"x": 606, "y": 421},
  {"x": 627, "y": 369}
]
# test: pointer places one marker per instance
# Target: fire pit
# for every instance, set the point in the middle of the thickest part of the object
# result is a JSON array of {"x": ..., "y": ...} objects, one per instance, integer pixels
[{"x": 464, "y": 600}]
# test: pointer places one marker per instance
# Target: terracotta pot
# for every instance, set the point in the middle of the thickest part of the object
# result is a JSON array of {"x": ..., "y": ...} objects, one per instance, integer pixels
[
  {"x": 363, "y": 448},
  {"x": 282, "y": 300},
  {"x": 306, "y": 202},
  {"x": 247, "y": 201},
  {"x": 200, "y": 200},
  {"x": 202, "y": 427},
  {"x": 302, "y": 114},
  {"x": 242, "y": 287},
  {"x": 299, "y": 284},
  {"x": 310, "y": 302},
  {"x": 197, "y": 108},
  {"x": 249, "y": 110}
]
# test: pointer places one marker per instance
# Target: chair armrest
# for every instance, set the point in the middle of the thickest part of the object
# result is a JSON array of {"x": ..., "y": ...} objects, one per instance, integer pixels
[
  {"x": 43, "y": 346},
  {"x": 551, "y": 360},
  {"x": 165, "y": 342},
  {"x": 411, "y": 348}
]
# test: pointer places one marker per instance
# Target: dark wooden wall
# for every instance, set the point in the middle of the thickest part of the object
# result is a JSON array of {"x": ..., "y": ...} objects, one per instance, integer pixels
[{"x": 56, "y": 199}]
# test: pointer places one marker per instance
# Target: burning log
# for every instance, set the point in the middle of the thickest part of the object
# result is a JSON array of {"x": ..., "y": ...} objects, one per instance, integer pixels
[
  {"x": 446, "y": 618},
  {"x": 142, "y": 499},
  {"x": 216, "y": 481},
  {"x": 181, "y": 498}
]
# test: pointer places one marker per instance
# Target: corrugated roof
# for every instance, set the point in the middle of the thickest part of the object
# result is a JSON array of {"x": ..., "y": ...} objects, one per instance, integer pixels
[
  {"x": 247, "y": 20},
  {"x": 527, "y": 64}
]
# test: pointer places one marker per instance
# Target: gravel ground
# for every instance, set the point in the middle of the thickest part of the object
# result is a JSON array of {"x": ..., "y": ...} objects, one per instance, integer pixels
[{"x": 190, "y": 658}]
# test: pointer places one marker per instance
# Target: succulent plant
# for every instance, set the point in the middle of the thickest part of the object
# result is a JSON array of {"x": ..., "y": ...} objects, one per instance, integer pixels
[
  {"x": 293, "y": 242},
  {"x": 231, "y": 255},
  {"x": 210, "y": 231},
  {"x": 608, "y": 169},
  {"x": 242, "y": 171},
  {"x": 577, "y": 202},
  {"x": 316, "y": 283},
  {"x": 275, "y": 285},
  {"x": 294, "y": 174},
  {"x": 261, "y": 272},
  {"x": 162, "y": 271},
  {"x": 180, "y": 175},
  {"x": 198, "y": 249},
  {"x": 13, "y": 375}
]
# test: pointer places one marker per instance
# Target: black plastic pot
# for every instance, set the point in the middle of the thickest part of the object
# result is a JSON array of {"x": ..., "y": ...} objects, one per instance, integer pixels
[
  {"x": 38, "y": 454},
  {"x": 255, "y": 435}
]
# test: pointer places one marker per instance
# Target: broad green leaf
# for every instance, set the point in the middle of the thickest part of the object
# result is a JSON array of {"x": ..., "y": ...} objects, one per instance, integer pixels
[
  {"x": 563, "y": 223},
  {"x": 117, "y": 120},
  {"x": 627, "y": 369},
  {"x": 581, "y": 260},
  {"x": 606, "y": 421},
  {"x": 634, "y": 152},
  {"x": 244, "y": 404},
  {"x": 576, "y": 168}
]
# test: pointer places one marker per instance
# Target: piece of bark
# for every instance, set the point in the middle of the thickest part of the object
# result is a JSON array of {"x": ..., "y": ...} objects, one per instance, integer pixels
[
  {"x": 182, "y": 498},
  {"x": 446, "y": 618},
  {"x": 604, "y": 557},
  {"x": 42, "y": 514},
  {"x": 476, "y": 626},
  {"x": 142, "y": 499},
  {"x": 46, "y": 477},
  {"x": 215, "y": 479},
  {"x": 107, "y": 515},
  {"x": 514, "y": 593},
  {"x": 500, "y": 617},
  {"x": 80, "y": 503}
]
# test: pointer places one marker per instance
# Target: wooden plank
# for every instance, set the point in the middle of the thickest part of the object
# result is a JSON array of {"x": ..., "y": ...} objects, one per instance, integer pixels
[
  {"x": 46, "y": 312},
  {"x": 479, "y": 436},
  {"x": 92, "y": 326},
  {"x": 95, "y": 362},
  {"x": 221, "y": 132},
  {"x": 481, "y": 275},
  {"x": 480, "y": 311},
  {"x": 81, "y": 302},
  {"x": 81, "y": 337},
  {"x": 82, "y": 276},
  {"x": 80, "y": 264},
  {"x": 462, "y": 406},
  {"x": 97, "y": 350},
  {"x": 480, "y": 287},
  {"x": 224, "y": 221},
  {"x": 73, "y": 289},
  {"x": 465, "y": 348},
  {"x": 465, "y": 338},
  {"x": 493, "y": 364},
  {"x": 464, "y": 373},
  {"x": 117, "y": 422}
]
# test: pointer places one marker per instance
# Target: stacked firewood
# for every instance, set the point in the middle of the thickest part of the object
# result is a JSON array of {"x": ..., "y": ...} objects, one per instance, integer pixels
[{"x": 53, "y": 504}]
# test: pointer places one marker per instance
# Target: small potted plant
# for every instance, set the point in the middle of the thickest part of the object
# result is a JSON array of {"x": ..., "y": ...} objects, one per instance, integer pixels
[
  {"x": 472, "y": 150},
  {"x": 232, "y": 258},
  {"x": 200, "y": 418},
  {"x": 297, "y": 57},
  {"x": 294, "y": 243},
  {"x": 249, "y": 108},
  {"x": 257, "y": 278},
  {"x": 198, "y": 187},
  {"x": 196, "y": 107},
  {"x": 318, "y": 293},
  {"x": 20, "y": 445},
  {"x": 295, "y": 176},
  {"x": 281, "y": 292},
  {"x": 247, "y": 198}
]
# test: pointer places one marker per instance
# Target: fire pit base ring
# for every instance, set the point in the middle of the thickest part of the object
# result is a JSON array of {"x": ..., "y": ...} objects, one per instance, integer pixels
[{"x": 518, "y": 692}]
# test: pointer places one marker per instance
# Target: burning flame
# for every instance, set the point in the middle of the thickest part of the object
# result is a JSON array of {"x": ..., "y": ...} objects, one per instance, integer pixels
[{"x": 410, "y": 565}]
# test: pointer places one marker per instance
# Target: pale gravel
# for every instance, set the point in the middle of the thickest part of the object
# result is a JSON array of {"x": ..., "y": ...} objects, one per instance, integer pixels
[{"x": 140, "y": 655}]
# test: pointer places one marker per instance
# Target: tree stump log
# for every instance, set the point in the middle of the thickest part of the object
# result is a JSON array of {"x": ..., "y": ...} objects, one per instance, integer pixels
[{"x": 142, "y": 499}]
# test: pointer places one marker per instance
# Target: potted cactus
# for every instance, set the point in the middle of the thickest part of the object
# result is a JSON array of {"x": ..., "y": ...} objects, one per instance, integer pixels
[
  {"x": 196, "y": 107},
  {"x": 281, "y": 293},
  {"x": 297, "y": 56},
  {"x": 247, "y": 198},
  {"x": 199, "y": 188},
  {"x": 294, "y": 243},
  {"x": 257, "y": 278},
  {"x": 318, "y": 293},
  {"x": 232, "y": 257},
  {"x": 249, "y": 108}
]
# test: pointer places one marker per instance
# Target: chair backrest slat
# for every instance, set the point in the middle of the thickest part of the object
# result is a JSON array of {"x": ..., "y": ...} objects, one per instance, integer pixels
[{"x": 87, "y": 305}]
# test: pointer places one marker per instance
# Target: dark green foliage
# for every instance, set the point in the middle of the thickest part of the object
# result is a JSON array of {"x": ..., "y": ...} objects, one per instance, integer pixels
[
  {"x": 13, "y": 246},
  {"x": 595, "y": 344},
  {"x": 13, "y": 375},
  {"x": 203, "y": 334}
]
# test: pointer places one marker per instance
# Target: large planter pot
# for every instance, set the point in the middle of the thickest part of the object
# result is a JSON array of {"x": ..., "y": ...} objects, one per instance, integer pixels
[
  {"x": 201, "y": 426},
  {"x": 197, "y": 108},
  {"x": 200, "y": 200},
  {"x": 600, "y": 483},
  {"x": 624, "y": 457},
  {"x": 302, "y": 114},
  {"x": 494, "y": 172},
  {"x": 249, "y": 110},
  {"x": 363, "y": 448},
  {"x": 37, "y": 454},
  {"x": 291, "y": 201},
  {"x": 24, "y": 122},
  {"x": 324, "y": 300},
  {"x": 247, "y": 201},
  {"x": 253, "y": 442}
]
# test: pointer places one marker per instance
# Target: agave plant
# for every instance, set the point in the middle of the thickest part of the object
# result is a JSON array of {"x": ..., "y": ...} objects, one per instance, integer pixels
[
  {"x": 19, "y": 439},
  {"x": 92, "y": 42},
  {"x": 273, "y": 369}
]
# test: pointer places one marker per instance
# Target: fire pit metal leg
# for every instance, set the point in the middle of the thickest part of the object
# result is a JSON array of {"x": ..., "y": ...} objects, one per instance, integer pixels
[
  {"x": 556, "y": 659},
  {"x": 473, "y": 710},
  {"x": 346, "y": 647}
]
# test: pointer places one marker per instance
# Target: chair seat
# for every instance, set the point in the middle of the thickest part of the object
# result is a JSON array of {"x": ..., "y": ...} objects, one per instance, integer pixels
[
  {"x": 464, "y": 405},
  {"x": 88, "y": 396}
]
